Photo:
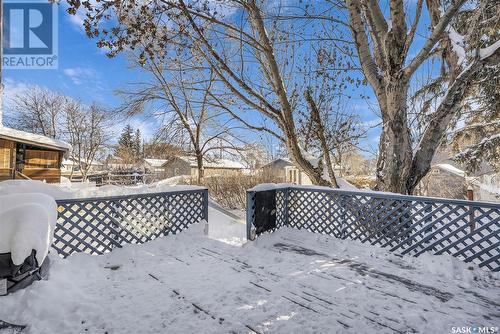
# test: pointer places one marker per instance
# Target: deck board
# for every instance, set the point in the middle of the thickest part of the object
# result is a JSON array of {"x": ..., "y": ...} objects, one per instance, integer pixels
[{"x": 286, "y": 282}]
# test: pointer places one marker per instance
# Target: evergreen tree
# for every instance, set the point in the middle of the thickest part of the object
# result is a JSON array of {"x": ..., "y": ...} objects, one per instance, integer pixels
[
  {"x": 125, "y": 140},
  {"x": 125, "y": 148},
  {"x": 137, "y": 143}
]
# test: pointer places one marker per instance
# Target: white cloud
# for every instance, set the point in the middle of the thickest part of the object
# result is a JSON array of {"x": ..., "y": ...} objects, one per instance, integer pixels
[
  {"x": 77, "y": 20},
  {"x": 146, "y": 127},
  {"x": 80, "y": 75},
  {"x": 12, "y": 89}
]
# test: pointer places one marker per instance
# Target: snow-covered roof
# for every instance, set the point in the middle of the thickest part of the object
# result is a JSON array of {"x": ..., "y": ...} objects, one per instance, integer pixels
[
  {"x": 33, "y": 139},
  {"x": 72, "y": 161},
  {"x": 224, "y": 163},
  {"x": 286, "y": 160},
  {"x": 155, "y": 162},
  {"x": 213, "y": 163}
]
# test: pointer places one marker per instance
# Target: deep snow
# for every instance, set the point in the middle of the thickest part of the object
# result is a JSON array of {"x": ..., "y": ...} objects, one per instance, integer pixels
[
  {"x": 290, "y": 281},
  {"x": 27, "y": 222},
  {"x": 64, "y": 191}
]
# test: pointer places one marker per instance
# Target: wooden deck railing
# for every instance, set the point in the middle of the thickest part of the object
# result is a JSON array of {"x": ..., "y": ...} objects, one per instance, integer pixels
[
  {"x": 98, "y": 225},
  {"x": 413, "y": 225}
]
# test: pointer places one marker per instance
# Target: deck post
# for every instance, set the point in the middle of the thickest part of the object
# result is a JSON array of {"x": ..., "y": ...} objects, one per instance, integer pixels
[
  {"x": 287, "y": 204},
  {"x": 205, "y": 205},
  {"x": 250, "y": 213},
  {"x": 470, "y": 197}
]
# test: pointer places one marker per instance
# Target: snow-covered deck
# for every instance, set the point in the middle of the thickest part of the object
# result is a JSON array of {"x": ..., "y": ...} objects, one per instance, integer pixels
[{"x": 290, "y": 281}]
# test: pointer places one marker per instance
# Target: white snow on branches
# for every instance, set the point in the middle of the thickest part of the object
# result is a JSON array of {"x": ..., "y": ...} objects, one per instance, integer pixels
[
  {"x": 489, "y": 51},
  {"x": 457, "y": 43}
]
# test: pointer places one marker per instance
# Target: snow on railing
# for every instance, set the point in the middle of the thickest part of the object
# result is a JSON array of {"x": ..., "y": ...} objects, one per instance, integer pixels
[
  {"x": 97, "y": 225},
  {"x": 468, "y": 230}
]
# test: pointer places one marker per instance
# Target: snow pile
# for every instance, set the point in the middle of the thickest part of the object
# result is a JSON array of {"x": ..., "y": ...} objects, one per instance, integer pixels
[
  {"x": 172, "y": 181},
  {"x": 289, "y": 281},
  {"x": 452, "y": 169},
  {"x": 63, "y": 191},
  {"x": 490, "y": 50},
  {"x": 30, "y": 186},
  {"x": 27, "y": 222}
]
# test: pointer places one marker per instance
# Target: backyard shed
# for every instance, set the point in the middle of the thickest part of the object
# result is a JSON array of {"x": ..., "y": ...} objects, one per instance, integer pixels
[
  {"x": 25, "y": 155},
  {"x": 277, "y": 168}
]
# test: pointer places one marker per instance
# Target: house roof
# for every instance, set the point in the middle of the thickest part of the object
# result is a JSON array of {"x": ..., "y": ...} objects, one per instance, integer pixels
[
  {"x": 155, "y": 162},
  {"x": 213, "y": 163},
  {"x": 275, "y": 161},
  {"x": 444, "y": 157},
  {"x": 33, "y": 139},
  {"x": 72, "y": 161},
  {"x": 224, "y": 163}
]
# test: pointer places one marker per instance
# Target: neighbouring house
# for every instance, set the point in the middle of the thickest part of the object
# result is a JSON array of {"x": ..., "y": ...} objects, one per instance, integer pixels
[
  {"x": 70, "y": 168},
  {"x": 276, "y": 168},
  {"x": 154, "y": 165},
  {"x": 450, "y": 181},
  {"x": 25, "y": 155},
  {"x": 113, "y": 163},
  {"x": 296, "y": 176},
  {"x": 289, "y": 173},
  {"x": 186, "y": 165}
]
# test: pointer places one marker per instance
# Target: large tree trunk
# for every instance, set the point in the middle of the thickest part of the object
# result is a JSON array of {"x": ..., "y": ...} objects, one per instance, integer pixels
[
  {"x": 199, "y": 164},
  {"x": 314, "y": 173},
  {"x": 395, "y": 157},
  {"x": 320, "y": 134}
]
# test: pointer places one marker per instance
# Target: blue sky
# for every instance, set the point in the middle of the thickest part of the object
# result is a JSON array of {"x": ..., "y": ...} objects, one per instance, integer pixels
[{"x": 86, "y": 73}]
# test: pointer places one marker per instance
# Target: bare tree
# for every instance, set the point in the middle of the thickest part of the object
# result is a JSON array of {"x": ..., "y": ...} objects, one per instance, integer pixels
[
  {"x": 383, "y": 50},
  {"x": 253, "y": 57},
  {"x": 51, "y": 114},
  {"x": 38, "y": 110},
  {"x": 86, "y": 129},
  {"x": 186, "y": 103}
]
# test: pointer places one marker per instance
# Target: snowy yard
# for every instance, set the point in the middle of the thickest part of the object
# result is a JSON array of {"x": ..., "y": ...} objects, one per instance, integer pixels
[{"x": 290, "y": 281}]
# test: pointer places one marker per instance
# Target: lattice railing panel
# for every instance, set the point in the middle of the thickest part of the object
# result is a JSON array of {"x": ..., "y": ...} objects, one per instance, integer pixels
[
  {"x": 410, "y": 225},
  {"x": 97, "y": 225}
]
